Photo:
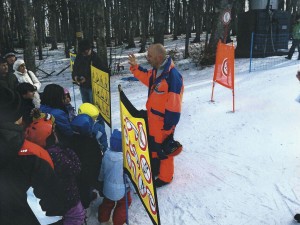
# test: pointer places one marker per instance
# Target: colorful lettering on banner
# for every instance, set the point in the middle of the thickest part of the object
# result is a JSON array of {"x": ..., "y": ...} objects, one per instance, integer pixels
[
  {"x": 101, "y": 93},
  {"x": 72, "y": 60},
  {"x": 137, "y": 158}
]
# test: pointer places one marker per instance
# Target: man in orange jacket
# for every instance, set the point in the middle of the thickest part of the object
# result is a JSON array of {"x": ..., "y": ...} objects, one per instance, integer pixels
[{"x": 163, "y": 105}]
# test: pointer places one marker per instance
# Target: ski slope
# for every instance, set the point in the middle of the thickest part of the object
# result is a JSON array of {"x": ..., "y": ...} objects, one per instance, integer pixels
[{"x": 239, "y": 168}]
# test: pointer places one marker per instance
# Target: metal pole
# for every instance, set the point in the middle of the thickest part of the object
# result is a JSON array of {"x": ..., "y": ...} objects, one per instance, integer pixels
[
  {"x": 212, "y": 92},
  {"x": 126, "y": 199},
  {"x": 74, "y": 97},
  {"x": 233, "y": 105},
  {"x": 251, "y": 51}
]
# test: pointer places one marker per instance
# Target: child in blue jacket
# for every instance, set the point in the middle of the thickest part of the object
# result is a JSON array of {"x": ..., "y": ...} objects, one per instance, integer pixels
[
  {"x": 89, "y": 143},
  {"x": 112, "y": 183}
]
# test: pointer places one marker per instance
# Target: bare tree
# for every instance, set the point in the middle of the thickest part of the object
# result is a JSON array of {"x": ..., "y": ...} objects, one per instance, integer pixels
[
  {"x": 100, "y": 31},
  {"x": 29, "y": 34},
  {"x": 218, "y": 31},
  {"x": 132, "y": 22},
  {"x": 52, "y": 5},
  {"x": 159, "y": 20},
  {"x": 198, "y": 15},
  {"x": 144, "y": 14},
  {"x": 176, "y": 19}
]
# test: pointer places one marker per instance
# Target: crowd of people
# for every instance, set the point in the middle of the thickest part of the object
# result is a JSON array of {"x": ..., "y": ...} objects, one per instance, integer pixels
[{"x": 64, "y": 155}]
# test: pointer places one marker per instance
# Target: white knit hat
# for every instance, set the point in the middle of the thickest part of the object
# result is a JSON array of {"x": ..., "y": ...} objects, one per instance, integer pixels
[{"x": 17, "y": 64}]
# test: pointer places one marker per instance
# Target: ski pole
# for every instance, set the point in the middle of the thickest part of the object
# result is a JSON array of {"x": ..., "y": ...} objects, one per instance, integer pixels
[{"x": 74, "y": 96}]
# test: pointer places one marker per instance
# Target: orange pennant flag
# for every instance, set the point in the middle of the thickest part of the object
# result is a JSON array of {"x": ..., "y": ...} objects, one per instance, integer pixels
[{"x": 224, "y": 67}]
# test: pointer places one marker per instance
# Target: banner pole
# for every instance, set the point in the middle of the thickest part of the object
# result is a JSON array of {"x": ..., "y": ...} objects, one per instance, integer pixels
[
  {"x": 126, "y": 199},
  {"x": 212, "y": 92}
]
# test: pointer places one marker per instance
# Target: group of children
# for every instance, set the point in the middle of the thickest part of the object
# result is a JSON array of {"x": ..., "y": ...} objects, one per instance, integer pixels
[{"x": 76, "y": 145}]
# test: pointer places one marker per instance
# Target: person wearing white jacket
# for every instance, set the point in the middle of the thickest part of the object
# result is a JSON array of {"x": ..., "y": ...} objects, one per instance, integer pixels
[
  {"x": 26, "y": 76},
  {"x": 111, "y": 176}
]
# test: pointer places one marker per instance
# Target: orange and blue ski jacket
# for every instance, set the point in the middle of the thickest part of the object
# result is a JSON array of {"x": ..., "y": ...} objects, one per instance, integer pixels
[{"x": 164, "y": 98}]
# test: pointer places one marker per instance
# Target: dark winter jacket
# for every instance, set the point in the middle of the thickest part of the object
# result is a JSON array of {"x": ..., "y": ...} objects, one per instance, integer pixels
[
  {"x": 9, "y": 80},
  {"x": 67, "y": 167},
  {"x": 90, "y": 155},
  {"x": 27, "y": 106},
  {"x": 23, "y": 165},
  {"x": 71, "y": 111},
  {"x": 82, "y": 67},
  {"x": 63, "y": 126},
  {"x": 61, "y": 119}
]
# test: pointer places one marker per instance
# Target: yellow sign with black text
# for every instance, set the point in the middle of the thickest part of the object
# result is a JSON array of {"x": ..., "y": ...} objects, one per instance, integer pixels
[
  {"x": 101, "y": 93},
  {"x": 72, "y": 60},
  {"x": 136, "y": 157}
]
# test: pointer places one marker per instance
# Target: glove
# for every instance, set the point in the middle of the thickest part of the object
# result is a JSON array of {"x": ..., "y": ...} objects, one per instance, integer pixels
[{"x": 170, "y": 147}]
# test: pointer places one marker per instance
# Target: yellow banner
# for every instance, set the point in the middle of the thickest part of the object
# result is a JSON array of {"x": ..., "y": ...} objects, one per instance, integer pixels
[
  {"x": 101, "y": 93},
  {"x": 137, "y": 160},
  {"x": 72, "y": 60}
]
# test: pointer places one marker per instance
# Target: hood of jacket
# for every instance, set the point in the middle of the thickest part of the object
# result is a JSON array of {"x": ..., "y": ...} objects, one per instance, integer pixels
[{"x": 11, "y": 140}]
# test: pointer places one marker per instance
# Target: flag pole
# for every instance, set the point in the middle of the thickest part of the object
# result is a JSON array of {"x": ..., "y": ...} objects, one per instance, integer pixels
[
  {"x": 212, "y": 92},
  {"x": 124, "y": 177},
  {"x": 233, "y": 102}
]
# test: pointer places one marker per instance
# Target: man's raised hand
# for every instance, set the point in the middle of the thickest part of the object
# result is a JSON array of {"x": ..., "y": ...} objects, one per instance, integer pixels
[{"x": 132, "y": 60}]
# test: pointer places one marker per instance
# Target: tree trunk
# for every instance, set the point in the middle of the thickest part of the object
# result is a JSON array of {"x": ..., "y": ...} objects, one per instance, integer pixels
[
  {"x": 167, "y": 17},
  {"x": 132, "y": 23},
  {"x": 176, "y": 19},
  {"x": 116, "y": 21},
  {"x": 2, "y": 31},
  {"x": 145, "y": 9},
  {"x": 77, "y": 20},
  {"x": 100, "y": 31},
  {"x": 52, "y": 24},
  {"x": 29, "y": 35},
  {"x": 72, "y": 29},
  {"x": 39, "y": 31},
  {"x": 188, "y": 29},
  {"x": 218, "y": 32},
  {"x": 159, "y": 20},
  {"x": 198, "y": 15},
  {"x": 108, "y": 20},
  {"x": 65, "y": 26}
]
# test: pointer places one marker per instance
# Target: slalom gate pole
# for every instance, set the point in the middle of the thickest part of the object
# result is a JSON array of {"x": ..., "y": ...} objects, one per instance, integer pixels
[
  {"x": 212, "y": 92},
  {"x": 251, "y": 51},
  {"x": 233, "y": 103},
  {"x": 74, "y": 97},
  {"x": 126, "y": 199}
]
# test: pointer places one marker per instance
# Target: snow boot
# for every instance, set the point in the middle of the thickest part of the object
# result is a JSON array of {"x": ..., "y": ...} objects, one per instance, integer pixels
[
  {"x": 159, "y": 183},
  {"x": 297, "y": 218}
]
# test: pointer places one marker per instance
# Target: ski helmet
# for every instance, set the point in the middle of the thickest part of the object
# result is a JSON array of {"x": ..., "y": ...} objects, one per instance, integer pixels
[
  {"x": 83, "y": 124},
  {"x": 89, "y": 109},
  {"x": 40, "y": 129}
]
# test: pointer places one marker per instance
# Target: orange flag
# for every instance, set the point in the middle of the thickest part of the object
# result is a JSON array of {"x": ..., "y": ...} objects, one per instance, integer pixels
[{"x": 224, "y": 67}]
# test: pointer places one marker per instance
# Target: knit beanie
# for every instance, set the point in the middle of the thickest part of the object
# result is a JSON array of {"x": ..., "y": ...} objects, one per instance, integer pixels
[
  {"x": 9, "y": 55},
  {"x": 116, "y": 141},
  {"x": 17, "y": 64},
  {"x": 84, "y": 45},
  {"x": 10, "y": 105}
]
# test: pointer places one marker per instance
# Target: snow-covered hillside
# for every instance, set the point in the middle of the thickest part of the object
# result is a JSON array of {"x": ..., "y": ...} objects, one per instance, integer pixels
[{"x": 239, "y": 168}]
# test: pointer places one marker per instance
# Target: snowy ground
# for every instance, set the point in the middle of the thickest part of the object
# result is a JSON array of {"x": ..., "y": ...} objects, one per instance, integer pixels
[{"x": 239, "y": 168}]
